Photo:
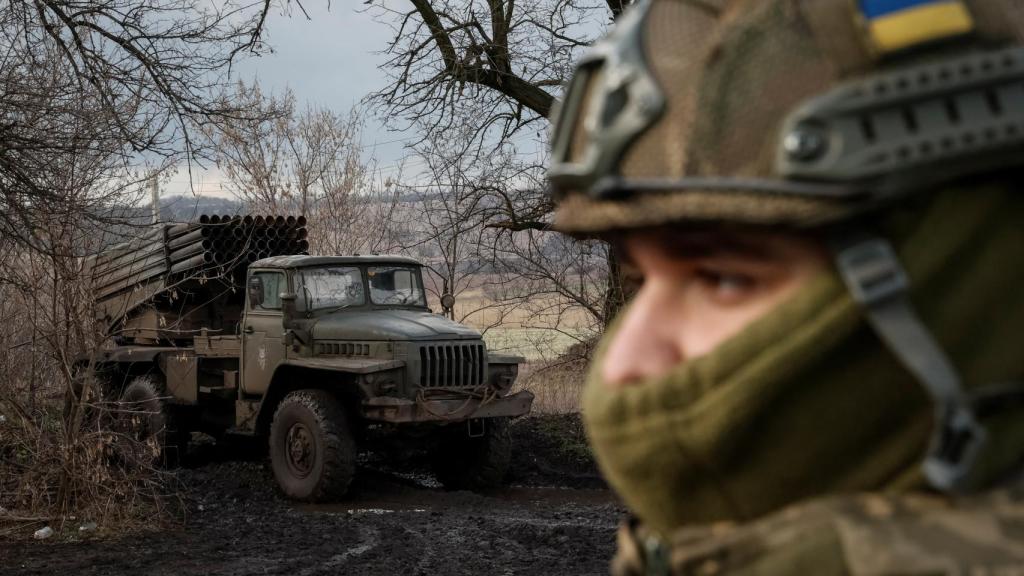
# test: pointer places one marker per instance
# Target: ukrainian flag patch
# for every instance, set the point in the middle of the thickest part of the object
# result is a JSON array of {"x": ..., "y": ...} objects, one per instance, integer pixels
[{"x": 898, "y": 24}]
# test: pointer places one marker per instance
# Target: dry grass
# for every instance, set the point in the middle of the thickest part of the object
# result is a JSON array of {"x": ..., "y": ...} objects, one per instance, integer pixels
[
  {"x": 540, "y": 328},
  {"x": 61, "y": 469},
  {"x": 557, "y": 385}
]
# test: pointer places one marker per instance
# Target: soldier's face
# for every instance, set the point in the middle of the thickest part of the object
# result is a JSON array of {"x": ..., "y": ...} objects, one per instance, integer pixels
[{"x": 699, "y": 288}]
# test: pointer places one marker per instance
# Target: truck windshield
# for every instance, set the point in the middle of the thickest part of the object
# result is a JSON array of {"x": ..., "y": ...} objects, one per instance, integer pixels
[
  {"x": 396, "y": 285},
  {"x": 330, "y": 287}
]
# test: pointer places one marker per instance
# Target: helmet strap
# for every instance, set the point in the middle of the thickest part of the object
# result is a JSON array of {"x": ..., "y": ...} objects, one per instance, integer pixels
[{"x": 877, "y": 281}]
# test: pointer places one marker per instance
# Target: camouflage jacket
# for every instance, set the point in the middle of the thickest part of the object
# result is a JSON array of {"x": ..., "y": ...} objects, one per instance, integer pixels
[{"x": 860, "y": 535}]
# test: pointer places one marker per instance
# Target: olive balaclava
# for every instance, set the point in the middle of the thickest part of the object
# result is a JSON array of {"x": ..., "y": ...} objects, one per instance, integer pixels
[{"x": 807, "y": 400}]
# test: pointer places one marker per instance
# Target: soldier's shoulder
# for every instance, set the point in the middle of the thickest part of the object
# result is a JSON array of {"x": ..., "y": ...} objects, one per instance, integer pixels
[{"x": 868, "y": 534}]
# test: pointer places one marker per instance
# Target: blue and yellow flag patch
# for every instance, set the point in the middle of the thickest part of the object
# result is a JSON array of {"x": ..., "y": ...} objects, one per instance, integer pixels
[{"x": 894, "y": 25}]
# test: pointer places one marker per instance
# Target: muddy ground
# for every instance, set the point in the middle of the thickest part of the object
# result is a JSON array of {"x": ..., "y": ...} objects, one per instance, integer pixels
[{"x": 555, "y": 517}]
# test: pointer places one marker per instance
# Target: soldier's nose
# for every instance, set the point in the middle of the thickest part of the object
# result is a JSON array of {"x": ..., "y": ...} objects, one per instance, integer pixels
[{"x": 645, "y": 345}]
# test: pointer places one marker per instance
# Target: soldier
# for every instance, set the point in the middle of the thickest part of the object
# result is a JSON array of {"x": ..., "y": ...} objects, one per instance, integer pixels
[{"x": 823, "y": 369}]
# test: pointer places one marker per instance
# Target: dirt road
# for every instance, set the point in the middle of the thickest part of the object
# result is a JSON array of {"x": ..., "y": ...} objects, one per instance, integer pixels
[{"x": 551, "y": 520}]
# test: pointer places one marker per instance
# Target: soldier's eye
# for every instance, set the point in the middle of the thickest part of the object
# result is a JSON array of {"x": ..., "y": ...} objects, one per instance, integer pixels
[{"x": 727, "y": 286}]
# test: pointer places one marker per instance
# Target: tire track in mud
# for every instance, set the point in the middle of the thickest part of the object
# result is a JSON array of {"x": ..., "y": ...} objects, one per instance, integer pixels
[
  {"x": 388, "y": 527},
  {"x": 368, "y": 540},
  {"x": 515, "y": 531}
]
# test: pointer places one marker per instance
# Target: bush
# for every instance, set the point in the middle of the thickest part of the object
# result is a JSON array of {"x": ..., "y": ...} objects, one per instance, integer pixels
[{"x": 61, "y": 456}]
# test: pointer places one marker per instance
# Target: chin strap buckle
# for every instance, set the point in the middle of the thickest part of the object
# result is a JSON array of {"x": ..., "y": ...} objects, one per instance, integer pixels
[
  {"x": 955, "y": 447},
  {"x": 871, "y": 271}
]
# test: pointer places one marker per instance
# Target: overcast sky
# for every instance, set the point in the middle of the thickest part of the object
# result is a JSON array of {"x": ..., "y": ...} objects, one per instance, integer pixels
[{"x": 331, "y": 60}]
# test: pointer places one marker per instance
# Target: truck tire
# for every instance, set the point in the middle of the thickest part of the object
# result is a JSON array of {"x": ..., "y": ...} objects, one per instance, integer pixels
[
  {"x": 462, "y": 462},
  {"x": 312, "y": 449},
  {"x": 145, "y": 415}
]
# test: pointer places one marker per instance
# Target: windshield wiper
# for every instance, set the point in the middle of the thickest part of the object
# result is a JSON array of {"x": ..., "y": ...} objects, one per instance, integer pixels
[{"x": 341, "y": 307}]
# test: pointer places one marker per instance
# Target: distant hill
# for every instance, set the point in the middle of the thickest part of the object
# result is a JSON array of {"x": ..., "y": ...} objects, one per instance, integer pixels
[{"x": 188, "y": 208}]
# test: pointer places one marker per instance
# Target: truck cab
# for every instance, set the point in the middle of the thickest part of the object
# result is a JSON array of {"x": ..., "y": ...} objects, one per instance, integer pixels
[{"x": 367, "y": 317}]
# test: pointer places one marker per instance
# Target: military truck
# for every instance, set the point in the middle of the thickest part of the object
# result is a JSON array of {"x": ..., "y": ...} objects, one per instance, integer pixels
[{"x": 226, "y": 326}]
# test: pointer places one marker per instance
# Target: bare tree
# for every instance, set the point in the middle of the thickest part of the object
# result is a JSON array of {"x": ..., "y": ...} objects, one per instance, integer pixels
[
  {"x": 560, "y": 286},
  {"x": 282, "y": 158},
  {"x": 58, "y": 462},
  {"x": 358, "y": 219},
  {"x": 448, "y": 216},
  {"x": 501, "y": 62},
  {"x": 48, "y": 127},
  {"x": 125, "y": 79},
  {"x": 495, "y": 67},
  {"x": 94, "y": 95},
  {"x": 307, "y": 162}
]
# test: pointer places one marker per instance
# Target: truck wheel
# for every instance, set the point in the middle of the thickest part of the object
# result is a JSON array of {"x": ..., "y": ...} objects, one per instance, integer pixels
[
  {"x": 463, "y": 462},
  {"x": 312, "y": 450},
  {"x": 146, "y": 416}
]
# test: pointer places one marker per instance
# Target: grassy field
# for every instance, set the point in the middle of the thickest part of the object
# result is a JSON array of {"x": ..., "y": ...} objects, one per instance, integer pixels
[
  {"x": 539, "y": 329},
  {"x": 556, "y": 386},
  {"x": 534, "y": 344}
]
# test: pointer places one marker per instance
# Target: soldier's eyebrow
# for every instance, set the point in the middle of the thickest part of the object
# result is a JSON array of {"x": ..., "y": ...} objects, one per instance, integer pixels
[{"x": 711, "y": 244}]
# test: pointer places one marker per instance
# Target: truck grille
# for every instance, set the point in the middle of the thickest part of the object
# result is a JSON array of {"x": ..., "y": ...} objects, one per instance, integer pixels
[{"x": 452, "y": 365}]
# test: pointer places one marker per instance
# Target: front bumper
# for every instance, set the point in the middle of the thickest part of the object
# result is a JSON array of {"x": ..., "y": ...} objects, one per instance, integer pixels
[{"x": 403, "y": 410}]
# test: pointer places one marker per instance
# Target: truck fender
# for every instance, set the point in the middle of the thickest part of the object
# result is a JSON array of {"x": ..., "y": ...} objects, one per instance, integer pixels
[{"x": 337, "y": 375}]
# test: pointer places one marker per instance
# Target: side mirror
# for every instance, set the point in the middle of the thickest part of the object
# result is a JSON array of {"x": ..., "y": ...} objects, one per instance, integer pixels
[
  {"x": 255, "y": 291},
  {"x": 288, "y": 309},
  {"x": 290, "y": 320}
]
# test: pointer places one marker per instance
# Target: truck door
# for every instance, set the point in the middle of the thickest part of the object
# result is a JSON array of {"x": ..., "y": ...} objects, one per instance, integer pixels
[{"x": 262, "y": 330}]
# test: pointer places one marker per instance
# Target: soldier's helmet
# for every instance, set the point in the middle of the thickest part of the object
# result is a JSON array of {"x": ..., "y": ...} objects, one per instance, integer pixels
[
  {"x": 794, "y": 112},
  {"x": 799, "y": 113}
]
